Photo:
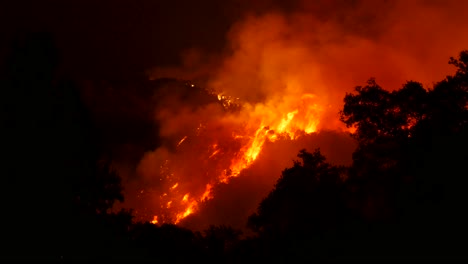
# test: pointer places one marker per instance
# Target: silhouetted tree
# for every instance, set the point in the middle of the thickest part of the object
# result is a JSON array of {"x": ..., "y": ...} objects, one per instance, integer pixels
[
  {"x": 166, "y": 243},
  {"x": 305, "y": 209},
  {"x": 221, "y": 241},
  {"x": 406, "y": 169},
  {"x": 404, "y": 194},
  {"x": 52, "y": 178},
  {"x": 27, "y": 101}
]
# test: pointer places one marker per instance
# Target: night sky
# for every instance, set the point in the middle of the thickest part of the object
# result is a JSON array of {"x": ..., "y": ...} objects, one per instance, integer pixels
[{"x": 112, "y": 39}]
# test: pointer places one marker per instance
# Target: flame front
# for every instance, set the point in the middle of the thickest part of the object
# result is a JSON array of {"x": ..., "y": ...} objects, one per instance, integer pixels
[{"x": 266, "y": 122}]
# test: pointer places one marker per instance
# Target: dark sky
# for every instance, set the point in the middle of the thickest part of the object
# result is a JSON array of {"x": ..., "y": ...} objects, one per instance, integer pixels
[{"x": 115, "y": 37}]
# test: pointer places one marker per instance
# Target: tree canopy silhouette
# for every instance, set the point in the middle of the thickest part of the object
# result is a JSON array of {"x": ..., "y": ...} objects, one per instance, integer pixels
[
  {"x": 305, "y": 205},
  {"x": 52, "y": 174},
  {"x": 407, "y": 169},
  {"x": 403, "y": 195}
]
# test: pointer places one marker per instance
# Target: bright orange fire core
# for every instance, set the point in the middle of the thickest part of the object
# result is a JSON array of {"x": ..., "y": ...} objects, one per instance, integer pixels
[{"x": 267, "y": 122}]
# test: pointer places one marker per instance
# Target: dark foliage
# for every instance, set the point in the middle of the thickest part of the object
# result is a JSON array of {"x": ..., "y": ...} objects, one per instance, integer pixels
[
  {"x": 403, "y": 196},
  {"x": 56, "y": 188}
]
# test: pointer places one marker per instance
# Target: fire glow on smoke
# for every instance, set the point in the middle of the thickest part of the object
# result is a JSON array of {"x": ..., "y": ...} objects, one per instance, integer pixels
[
  {"x": 285, "y": 75},
  {"x": 225, "y": 158}
]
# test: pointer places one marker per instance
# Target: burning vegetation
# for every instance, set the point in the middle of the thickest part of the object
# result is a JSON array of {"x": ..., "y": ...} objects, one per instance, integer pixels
[
  {"x": 223, "y": 137},
  {"x": 282, "y": 77}
]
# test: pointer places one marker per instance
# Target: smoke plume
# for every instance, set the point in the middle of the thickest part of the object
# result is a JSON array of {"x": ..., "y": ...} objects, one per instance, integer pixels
[{"x": 288, "y": 68}]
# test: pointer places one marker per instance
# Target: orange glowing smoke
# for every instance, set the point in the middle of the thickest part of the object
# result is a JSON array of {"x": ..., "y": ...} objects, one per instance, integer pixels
[
  {"x": 264, "y": 123},
  {"x": 279, "y": 94},
  {"x": 289, "y": 74}
]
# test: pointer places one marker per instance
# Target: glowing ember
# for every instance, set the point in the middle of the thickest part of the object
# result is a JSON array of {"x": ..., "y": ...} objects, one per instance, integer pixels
[{"x": 182, "y": 140}]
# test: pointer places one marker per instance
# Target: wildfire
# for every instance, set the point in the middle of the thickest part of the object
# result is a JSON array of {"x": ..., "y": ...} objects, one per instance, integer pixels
[
  {"x": 282, "y": 77},
  {"x": 289, "y": 119}
]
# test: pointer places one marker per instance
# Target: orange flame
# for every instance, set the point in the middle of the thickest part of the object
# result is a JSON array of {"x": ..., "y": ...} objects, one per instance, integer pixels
[
  {"x": 187, "y": 212},
  {"x": 302, "y": 117},
  {"x": 207, "y": 194}
]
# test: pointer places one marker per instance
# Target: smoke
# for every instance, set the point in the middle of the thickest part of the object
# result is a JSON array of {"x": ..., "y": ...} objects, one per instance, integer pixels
[
  {"x": 327, "y": 47},
  {"x": 275, "y": 55}
]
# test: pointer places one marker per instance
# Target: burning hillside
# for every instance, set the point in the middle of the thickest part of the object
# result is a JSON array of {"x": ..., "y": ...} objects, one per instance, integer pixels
[
  {"x": 281, "y": 80},
  {"x": 214, "y": 141}
]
